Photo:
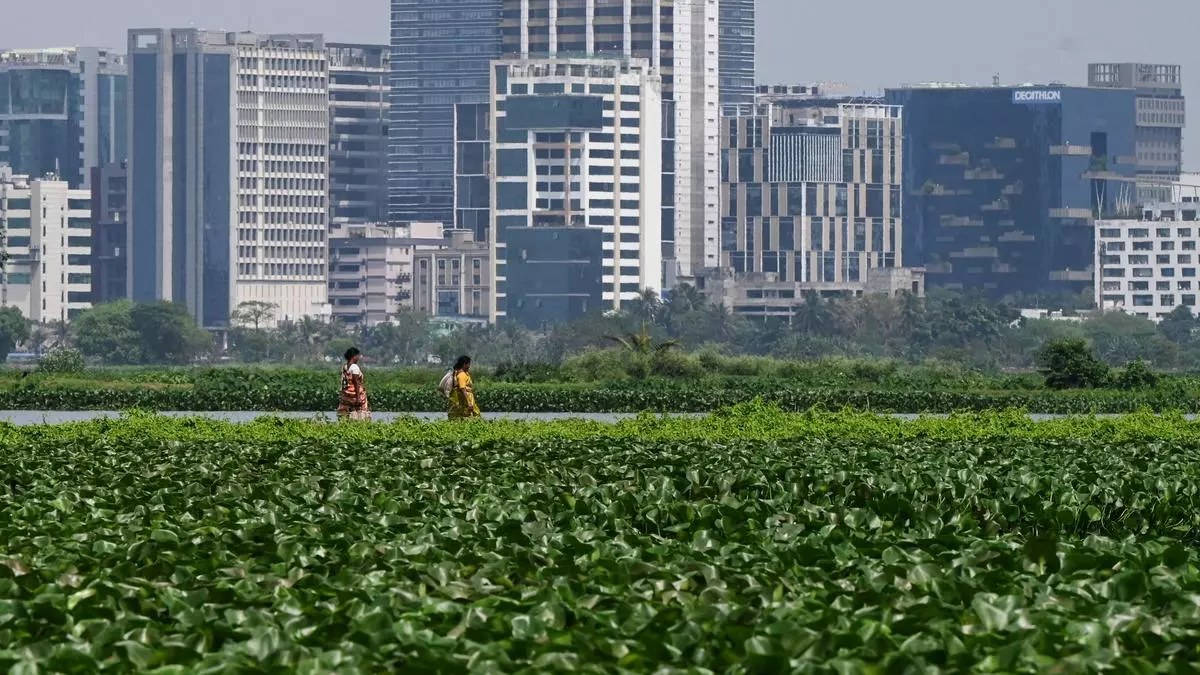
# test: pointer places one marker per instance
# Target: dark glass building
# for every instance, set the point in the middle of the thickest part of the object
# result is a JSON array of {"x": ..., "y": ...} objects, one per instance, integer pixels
[
  {"x": 440, "y": 55},
  {"x": 737, "y": 51},
  {"x": 1003, "y": 184},
  {"x": 62, "y": 111},
  {"x": 110, "y": 236},
  {"x": 358, "y": 133}
]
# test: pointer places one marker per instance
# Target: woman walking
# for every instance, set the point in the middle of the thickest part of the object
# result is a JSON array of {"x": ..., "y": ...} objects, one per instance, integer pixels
[
  {"x": 352, "y": 403},
  {"x": 462, "y": 396}
]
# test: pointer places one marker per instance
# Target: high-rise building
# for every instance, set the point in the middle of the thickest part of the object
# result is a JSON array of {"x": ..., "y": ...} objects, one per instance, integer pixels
[
  {"x": 577, "y": 165},
  {"x": 228, "y": 171},
  {"x": 680, "y": 39},
  {"x": 737, "y": 52},
  {"x": 1003, "y": 184},
  {"x": 110, "y": 233},
  {"x": 811, "y": 198},
  {"x": 48, "y": 245},
  {"x": 1147, "y": 262},
  {"x": 1161, "y": 115},
  {"x": 440, "y": 55},
  {"x": 62, "y": 111},
  {"x": 358, "y": 132}
]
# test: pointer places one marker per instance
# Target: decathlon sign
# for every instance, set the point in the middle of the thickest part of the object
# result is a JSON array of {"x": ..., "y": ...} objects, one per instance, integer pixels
[{"x": 1037, "y": 96}]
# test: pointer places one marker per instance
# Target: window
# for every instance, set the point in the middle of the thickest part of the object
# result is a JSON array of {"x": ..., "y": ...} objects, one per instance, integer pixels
[
  {"x": 1143, "y": 301},
  {"x": 1166, "y": 300}
]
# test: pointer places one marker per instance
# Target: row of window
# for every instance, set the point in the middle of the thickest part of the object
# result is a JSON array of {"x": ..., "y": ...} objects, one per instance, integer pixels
[
  {"x": 1165, "y": 300},
  {"x": 1146, "y": 272},
  {"x": 1145, "y": 285}
]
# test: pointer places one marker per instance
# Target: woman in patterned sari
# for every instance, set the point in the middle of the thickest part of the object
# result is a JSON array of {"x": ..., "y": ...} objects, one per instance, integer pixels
[{"x": 352, "y": 402}]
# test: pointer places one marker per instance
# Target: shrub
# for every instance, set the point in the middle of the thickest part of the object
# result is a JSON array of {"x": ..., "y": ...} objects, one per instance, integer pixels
[
  {"x": 1071, "y": 364},
  {"x": 62, "y": 362},
  {"x": 1136, "y": 375}
]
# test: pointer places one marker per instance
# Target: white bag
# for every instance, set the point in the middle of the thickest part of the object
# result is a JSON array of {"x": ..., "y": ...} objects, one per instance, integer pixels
[{"x": 447, "y": 383}]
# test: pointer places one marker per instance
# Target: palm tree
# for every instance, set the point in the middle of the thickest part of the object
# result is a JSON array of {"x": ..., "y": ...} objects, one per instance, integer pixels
[{"x": 642, "y": 342}]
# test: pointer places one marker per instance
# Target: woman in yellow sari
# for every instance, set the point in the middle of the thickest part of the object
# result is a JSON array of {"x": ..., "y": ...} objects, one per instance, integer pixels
[{"x": 462, "y": 395}]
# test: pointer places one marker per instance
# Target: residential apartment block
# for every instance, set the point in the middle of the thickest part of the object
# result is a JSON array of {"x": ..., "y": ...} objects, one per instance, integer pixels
[
  {"x": 1148, "y": 263},
  {"x": 371, "y": 269},
  {"x": 48, "y": 245},
  {"x": 577, "y": 166},
  {"x": 228, "y": 173},
  {"x": 453, "y": 282},
  {"x": 62, "y": 111}
]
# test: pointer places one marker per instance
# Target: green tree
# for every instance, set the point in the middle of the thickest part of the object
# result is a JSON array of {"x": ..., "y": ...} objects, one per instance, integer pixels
[
  {"x": 14, "y": 329},
  {"x": 1178, "y": 325},
  {"x": 167, "y": 332},
  {"x": 254, "y": 314},
  {"x": 404, "y": 339},
  {"x": 1071, "y": 364},
  {"x": 105, "y": 333}
]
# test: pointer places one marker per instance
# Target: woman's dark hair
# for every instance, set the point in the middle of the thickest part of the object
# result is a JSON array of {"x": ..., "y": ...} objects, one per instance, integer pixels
[
  {"x": 351, "y": 353},
  {"x": 462, "y": 362}
]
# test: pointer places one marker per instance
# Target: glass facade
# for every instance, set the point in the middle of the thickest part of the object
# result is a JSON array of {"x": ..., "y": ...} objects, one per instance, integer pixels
[
  {"x": 440, "y": 55},
  {"x": 62, "y": 111},
  {"x": 145, "y": 238},
  {"x": 553, "y": 274},
  {"x": 358, "y": 133},
  {"x": 216, "y": 266},
  {"x": 40, "y": 112},
  {"x": 1003, "y": 185},
  {"x": 472, "y": 186},
  {"x": 737, "y": 56}
]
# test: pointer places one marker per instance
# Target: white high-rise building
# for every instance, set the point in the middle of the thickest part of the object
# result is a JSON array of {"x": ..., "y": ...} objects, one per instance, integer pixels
[
  {"x": 48, "y": 245},
  {"x": 577, "y": 180},
  {"x": 681, "y": 41},
  {"x": 228, "y": 187}
]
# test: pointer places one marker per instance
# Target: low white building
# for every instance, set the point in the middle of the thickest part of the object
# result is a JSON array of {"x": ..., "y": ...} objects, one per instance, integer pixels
[
  {"x": 48, "y": 246},
  {"x": 1148, "y": 265}
]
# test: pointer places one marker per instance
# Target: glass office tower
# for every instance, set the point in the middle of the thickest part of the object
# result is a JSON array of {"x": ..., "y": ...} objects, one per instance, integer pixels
[{"x": 440, "y": 55}]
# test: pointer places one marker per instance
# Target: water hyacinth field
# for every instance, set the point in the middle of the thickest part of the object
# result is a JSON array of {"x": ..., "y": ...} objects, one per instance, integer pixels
[{"x": 752, "y": 541}]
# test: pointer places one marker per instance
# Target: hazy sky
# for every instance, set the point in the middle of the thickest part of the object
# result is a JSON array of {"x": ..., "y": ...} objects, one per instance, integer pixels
[{"x": 865, "y": 44}]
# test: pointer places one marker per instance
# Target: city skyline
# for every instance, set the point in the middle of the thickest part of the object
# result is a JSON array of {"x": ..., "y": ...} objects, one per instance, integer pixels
[{"x": 946, "y": 40}]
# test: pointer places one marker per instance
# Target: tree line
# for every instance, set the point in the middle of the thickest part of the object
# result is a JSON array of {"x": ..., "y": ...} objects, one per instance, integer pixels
[{"x": 943, "y": 326}]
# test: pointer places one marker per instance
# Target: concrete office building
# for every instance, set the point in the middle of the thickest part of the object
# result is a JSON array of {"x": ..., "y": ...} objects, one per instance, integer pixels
[
  {"x": 358, "y": 132},
  {"x": 371, "y": 269},
  {"x": 1147, "y": 264},
  {"x": 48, "y": 245},
  {"x": 577, "y": 157},
  {"x": 1003, "y": 184},
  {"x": 62, "y": 111},
  {"x": 453, "y": 281},
  {"x": 440, "y": 55},
  {"x": 1161, "y": 114},
  {"x": 811, "y": 201},
  {"x": 228, "y": 173},
  {"x": 681, "y": 41},
  {"x": 110, "y": 233}
]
